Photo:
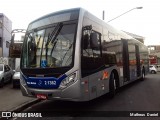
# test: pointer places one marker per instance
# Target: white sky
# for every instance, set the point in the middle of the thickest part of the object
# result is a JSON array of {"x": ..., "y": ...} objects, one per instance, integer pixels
[{"x": 144, "y": 22}]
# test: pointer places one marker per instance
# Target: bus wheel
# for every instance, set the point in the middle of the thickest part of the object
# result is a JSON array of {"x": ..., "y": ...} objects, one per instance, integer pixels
[{"x": 112, "y": 85}]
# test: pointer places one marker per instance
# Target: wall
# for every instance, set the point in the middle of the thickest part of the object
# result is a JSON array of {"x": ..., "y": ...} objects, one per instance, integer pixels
[{"x": 5, "y": 32}]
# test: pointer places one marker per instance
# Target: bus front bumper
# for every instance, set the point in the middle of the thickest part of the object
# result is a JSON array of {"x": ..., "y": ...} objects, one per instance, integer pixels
[{"x": 71, "y": 93}]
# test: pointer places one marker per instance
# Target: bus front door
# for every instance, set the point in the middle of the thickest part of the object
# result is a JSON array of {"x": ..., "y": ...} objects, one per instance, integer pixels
[
  {"x": 138, "y": 61},
  {"x": 125, "y": 55}
]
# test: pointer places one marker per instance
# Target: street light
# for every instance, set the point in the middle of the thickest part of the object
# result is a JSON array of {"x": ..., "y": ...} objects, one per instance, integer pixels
[{"x": 125, "y": 13}]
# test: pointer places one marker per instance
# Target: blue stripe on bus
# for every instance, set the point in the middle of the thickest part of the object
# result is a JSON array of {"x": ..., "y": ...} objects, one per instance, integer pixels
[{"x": 44, "y": 82}]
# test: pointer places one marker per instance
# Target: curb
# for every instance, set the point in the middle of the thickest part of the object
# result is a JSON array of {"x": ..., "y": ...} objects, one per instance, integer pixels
[{"x": 24, "y": 105}]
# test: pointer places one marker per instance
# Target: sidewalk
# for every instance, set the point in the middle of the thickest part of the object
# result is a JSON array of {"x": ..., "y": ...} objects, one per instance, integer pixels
[{"x": 12, "y": 99}]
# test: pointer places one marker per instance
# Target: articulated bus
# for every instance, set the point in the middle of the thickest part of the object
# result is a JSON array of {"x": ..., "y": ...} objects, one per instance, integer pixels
[{"x": 72, "y": 55}]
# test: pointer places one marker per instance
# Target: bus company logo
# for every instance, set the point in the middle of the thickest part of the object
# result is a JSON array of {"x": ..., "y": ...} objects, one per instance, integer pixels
[
  {"x": 40, "y": 82},
  {"x": 6, "y": 114}
]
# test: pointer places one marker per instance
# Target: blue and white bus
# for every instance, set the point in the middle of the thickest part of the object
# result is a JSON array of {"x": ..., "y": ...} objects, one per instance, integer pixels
[{"x": 73, "y": 55}]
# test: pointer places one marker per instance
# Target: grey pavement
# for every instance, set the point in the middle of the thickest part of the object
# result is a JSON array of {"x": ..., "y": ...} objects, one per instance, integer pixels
[{"x": 11, "y": 99}]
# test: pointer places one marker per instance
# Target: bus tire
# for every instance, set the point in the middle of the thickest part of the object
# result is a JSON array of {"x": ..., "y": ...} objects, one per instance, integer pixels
[{"x": 112, "y": 85}]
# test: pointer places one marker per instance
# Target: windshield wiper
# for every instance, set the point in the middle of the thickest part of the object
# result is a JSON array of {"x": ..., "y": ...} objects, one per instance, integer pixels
[
  {"x": 53, "y": 36},
  {"x": 46, "y": 45},
  {"x": 55, "y": 32}
]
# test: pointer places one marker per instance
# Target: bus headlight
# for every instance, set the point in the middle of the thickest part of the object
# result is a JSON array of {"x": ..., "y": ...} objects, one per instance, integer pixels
[{"x": 68, "y": 81}]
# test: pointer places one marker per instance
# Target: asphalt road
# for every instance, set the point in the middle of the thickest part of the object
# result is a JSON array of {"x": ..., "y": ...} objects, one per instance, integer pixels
[{"x": 139, "y": 96}]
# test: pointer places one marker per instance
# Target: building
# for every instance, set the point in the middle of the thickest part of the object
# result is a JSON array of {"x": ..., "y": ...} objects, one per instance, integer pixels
[
  {"x": 15, "y": 47},
  {"x": 5, "y": 35},
  {"x": 154, "y": 51}
]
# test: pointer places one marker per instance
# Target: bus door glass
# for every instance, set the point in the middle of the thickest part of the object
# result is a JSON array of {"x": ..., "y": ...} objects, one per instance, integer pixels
[
  {"x": 138, "y": 61},
  {"x": 126, "y": 71}
]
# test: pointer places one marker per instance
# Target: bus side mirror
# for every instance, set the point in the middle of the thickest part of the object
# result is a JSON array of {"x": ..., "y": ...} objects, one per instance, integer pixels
[
  {"x": 85, "y": 41},
  {"x": 94, "y": 40}
]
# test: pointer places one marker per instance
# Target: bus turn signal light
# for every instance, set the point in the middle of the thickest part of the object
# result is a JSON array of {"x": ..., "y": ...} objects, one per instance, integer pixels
[{"x": 105, "y": 75}]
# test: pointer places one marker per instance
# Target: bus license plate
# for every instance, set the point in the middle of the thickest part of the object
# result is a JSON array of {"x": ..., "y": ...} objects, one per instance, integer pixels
[{"x": 41, "y": 96}]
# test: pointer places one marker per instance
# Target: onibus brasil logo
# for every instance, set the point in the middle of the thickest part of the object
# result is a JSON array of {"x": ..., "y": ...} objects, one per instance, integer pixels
[{"x": 13, "y": 115}]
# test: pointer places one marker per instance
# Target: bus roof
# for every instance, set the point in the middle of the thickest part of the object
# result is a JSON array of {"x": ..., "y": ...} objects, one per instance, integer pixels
[
  {"x": 56, "y": 13},
  {"x": 85, "y": 12}
]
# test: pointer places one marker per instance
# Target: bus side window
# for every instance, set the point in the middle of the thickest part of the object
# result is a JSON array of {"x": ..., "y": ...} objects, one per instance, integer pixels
[
  {"x": 91, "y": 59},
  {"x": 95, "y": 43},
  {"x": 91, "y": 43},
  {"x": 110, "y": 59},
  {"x": 85, "y": 41}
]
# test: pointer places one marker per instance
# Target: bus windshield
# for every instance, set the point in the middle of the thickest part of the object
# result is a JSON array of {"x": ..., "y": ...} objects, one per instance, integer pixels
[{"x": 49, "y": 47}]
